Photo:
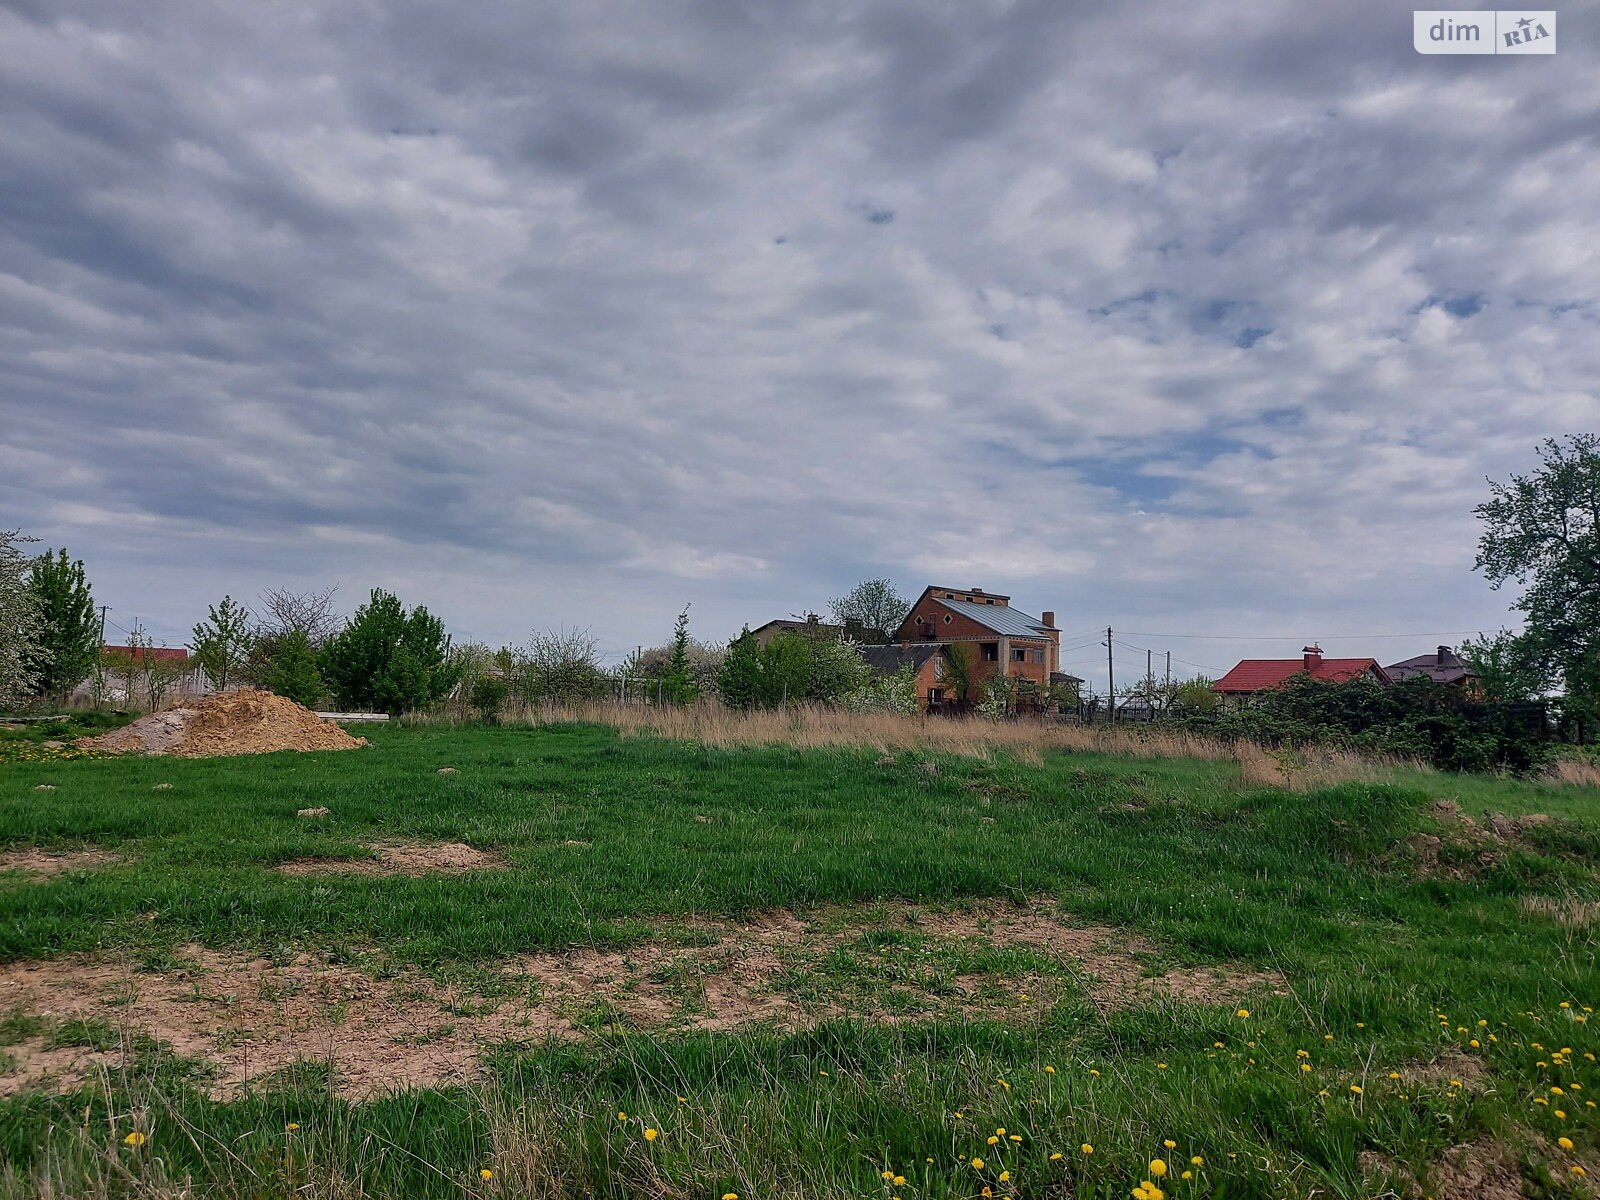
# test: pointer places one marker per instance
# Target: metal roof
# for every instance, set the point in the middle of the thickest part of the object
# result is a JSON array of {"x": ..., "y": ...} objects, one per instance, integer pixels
[
  {"x": 999, "y": 617},
  {"x": 886, "y": 660}
]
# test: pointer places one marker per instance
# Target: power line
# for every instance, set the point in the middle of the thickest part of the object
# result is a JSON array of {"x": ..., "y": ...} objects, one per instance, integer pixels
[{"x": 1299, "y": 637}]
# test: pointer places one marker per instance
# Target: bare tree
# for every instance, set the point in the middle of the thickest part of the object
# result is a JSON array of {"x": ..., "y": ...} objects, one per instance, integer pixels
[{"x": 283, "y": 612}]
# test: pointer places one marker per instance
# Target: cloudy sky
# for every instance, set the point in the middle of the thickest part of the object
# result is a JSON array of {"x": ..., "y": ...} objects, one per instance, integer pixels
[{"x": 1192, "y": 318}]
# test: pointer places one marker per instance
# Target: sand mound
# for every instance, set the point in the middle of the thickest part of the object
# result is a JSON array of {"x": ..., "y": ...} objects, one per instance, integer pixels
[{"x": 242, "y": 722}]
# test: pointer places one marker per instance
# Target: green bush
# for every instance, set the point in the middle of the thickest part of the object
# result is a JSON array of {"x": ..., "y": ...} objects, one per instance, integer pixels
[{"x": 389, "y": 659}]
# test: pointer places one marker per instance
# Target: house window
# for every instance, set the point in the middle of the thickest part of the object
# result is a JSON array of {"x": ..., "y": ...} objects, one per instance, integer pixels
[
  {"x": 947, "y": 618},
  {"x": 991, "y": 652},
  {"x": 1022, "y": 654},
  {"x": 919, "y": 620}
]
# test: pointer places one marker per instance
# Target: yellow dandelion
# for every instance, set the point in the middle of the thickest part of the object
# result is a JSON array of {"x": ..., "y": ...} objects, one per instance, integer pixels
[
  {"x": 1356, "y": 1088},
  {"x": 1455, "y": 1083},
  {"x": 622, "y": 1116},
  {"x": 1086, "y": 1149},
  {"x": 486, "y": 1174},
  {"x": 1161, "y": 1066},
  {"x": 1242, "y": 1013},
  {"x": 651, "y": 1135},
  {"x": 1056, "y": 1157},
  {"x": 994, "y": 1141},
  {"x": 1000, "y": 1130},
  {"x": 1394, "y": 1074},
  {"x": 899, "y": 1181},
  {"x": 730, "y": 1196},
  {"x": 291, "y": 1127},
  {"x": 1305, "y": 1066},
  {"x": 887, "y": 1176},
  {"x": 1095, "y": 1074},
  {"x": 683, "y": 1099},
  {"x": 1169, "y": 1144},
  {"x": 1474, "y": 1043},
  {"x": 134, "y": 1139},
  {"x": 1187, "y": 1175},
  {"x": 1555, "y": 1091},
  {"x": 977, "y": 1164},
  {"x": 1197, "y": 1161},
  {"x": 1005, "y": 1176},
  {"x": 1564, "y": 1142},
  {"x": 1158, "y": 1167},
  {"x": 1577, "y": 1170},
  {"x": 1560, "y": 1116},
  {"x": 1016, "y": 1137}
]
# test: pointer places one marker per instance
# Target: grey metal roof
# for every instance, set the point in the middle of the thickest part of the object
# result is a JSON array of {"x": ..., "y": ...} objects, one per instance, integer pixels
[
  {"x": 886, "y": 660},
  {"x": 999, "y": 617}
]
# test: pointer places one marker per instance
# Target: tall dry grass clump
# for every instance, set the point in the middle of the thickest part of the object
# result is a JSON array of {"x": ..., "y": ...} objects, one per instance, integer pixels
[{"x": 816, "y": 727}]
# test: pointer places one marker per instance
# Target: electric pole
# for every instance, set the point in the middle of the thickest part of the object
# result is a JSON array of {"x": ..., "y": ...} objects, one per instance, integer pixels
[
  {"x": 1149, "y": 686},
  {"x": 1111, "y": 681}
]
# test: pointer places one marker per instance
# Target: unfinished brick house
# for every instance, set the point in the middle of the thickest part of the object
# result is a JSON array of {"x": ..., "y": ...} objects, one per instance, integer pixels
[{"x": 1004, "y": 640}]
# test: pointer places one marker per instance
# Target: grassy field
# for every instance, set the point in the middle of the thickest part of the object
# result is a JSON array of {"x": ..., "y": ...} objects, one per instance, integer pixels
[{"x": 820, "y": 971}]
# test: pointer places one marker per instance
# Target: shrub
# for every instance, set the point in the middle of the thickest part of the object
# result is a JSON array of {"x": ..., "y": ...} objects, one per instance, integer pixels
[{"x": 389, "y": 659}]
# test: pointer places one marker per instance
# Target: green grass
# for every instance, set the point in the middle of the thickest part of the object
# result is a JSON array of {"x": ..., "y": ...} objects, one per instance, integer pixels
[{"x": 1322, "y": 887}]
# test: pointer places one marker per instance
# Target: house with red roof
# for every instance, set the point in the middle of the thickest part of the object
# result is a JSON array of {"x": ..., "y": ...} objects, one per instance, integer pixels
[{"x": 1254, "y": 675}]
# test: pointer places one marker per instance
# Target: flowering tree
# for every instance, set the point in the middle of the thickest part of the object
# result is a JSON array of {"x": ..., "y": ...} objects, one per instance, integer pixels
[{"x": 19, "y": 620}]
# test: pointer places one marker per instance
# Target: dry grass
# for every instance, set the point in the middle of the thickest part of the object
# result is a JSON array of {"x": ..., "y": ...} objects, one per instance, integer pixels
[
  {"x": 970, "y": 737},
  {"x": 1575, "y": 769}
]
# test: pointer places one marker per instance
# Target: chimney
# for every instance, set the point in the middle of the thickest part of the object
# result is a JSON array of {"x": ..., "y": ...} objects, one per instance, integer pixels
[
  {"x": 1313, "y": 655},
  {"x": 1049, "y": 620},
  {"x": 976, "y": 591},
  {"x": 1443, "y": 657}
]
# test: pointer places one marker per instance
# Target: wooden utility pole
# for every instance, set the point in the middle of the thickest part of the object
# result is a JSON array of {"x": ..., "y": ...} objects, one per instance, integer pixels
[
  {"x": 1149, "y": 680},
  {"x": 1111, "y": 681}
]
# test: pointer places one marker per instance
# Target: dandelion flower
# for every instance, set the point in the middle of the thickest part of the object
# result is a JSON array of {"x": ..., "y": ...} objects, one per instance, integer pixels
[
  {"x": 486, "y": 1174},
  {"x": 1170, "y": 1144},
  {"x": 1394, "y": 1074},
  {"x": 1197, "y": 1161},
  {"x": 899, "y": 1181},
  {"x": 291, "y": 1127},
  {"x": 1187, "y": 1175},
  {"x": 1000, "y": 1131},
  {"x": 1564, "y": 1142},
  {"x": 730, "y": 1196},
  {"x": 651, "y": 1135},
  {"x": 993, "y": 1141},
  {"x": 1086, "y": 1148},
  {"x": 1560, "y": 1116},
  {"x": 1056, "y": 1157},
  {"x": 1577, "y": 1170},
  {"x": 1158, "y": 1167},
  {"x": 1242, "y": 1013},
  {"x": 977, "y": 1164},
  {"x": 1161, "y": 1066},
  {"x": 1305, "y": 1066},
  {"x": 622, "y": 1116},
  {"x": 1005, "y": 1176},
  {"x": 1016, "y": 1137},
  {"x": 1356, "y": 1088},
  {"x": 1049, "y": 1070},
  {"x": 1093, "y": 1073},
  {"x": 134, "y": 1139}
]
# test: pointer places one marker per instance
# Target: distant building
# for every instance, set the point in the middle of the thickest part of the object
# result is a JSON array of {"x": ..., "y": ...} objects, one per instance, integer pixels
[
  {"x": 1444, "y": 666},
  {"x": 1005, "y": 640},
  {"x": 1254, "y": 675},
  {"x": 156, "y": 653}
]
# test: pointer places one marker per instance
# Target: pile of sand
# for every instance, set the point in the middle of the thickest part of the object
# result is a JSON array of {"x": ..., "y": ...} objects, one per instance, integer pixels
[{"x": 243, "y": 722}]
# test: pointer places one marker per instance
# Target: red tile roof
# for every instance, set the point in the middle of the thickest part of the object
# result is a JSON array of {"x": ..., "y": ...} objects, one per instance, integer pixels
[{"x": 1261, "y": 674}]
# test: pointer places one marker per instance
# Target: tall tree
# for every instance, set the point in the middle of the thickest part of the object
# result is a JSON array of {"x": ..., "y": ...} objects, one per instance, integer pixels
[
  {"x": 389, "y": 659},
  {"x": 739, "y": 681},
  {"x": 873, "y": 603},
  {"x": 69, "y": 629},
  {"x": 1543, "y": 530},
  {"x": 678, "y": 684},
  {"x": 222, "y": 642},
  {"x": 19, "y": 620}
]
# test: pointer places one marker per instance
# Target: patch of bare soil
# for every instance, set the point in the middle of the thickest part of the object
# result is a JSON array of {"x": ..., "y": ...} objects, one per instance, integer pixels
[
  {"x": 402, "y": 858},
  {"x": 1477, "y": 1171},
  {"x": 42, "y": 864},
  {"x": 224, "y": 723},
  {"x": 1451, "y": 1065},
  {"x": 250, "y": 1017},
  {"x": 1466, "y": 846}
]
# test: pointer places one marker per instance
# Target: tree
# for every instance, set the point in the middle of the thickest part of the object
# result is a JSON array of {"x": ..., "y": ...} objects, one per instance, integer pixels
[
  {"x": 312, "y": 613},
  {"x": 874, "y": 605},
  {"x": 837, "y": 670},
  {"x": 69, "y": 632},
  {"x": 1507, "y": 665},
  {"x": 1196, "y": 696},
  {"x": 785, "y": 669},
  {"x": 19, "y": 621},
  {"x": 222, "y": 642},
  {"x": 678, "y": 684},
  {"x": 960, "y": 671},
  {"x": 1543, "y": 530},
  {"x": 562, "y": 666},
  {"x": 389, "y": 659},
  {"x": 289, "y": 668},
  {"x": 739, "y": 680}
]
